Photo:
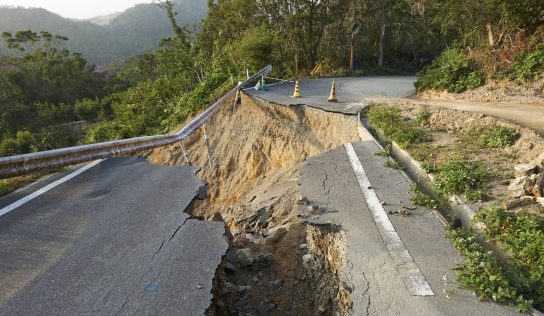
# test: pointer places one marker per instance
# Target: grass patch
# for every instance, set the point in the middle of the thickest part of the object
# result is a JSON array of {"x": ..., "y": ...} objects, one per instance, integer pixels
[
  {"x": 485, "y": 274},
  {"x": 462, "y": 176},
  {"x": 389, "y": 121}
]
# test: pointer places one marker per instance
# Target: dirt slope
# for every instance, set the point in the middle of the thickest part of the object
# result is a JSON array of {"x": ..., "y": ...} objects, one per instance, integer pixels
[{"x": 253, "y": 187}]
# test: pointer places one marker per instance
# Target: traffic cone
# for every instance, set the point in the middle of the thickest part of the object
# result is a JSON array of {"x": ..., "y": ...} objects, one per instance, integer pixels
[
  {"x": 296, "y": 94},
  {"x": 332, "y": 97}
]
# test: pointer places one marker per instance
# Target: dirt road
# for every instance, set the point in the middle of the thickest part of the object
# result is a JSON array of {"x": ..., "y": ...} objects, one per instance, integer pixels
[{"x": 526, "y": 115}]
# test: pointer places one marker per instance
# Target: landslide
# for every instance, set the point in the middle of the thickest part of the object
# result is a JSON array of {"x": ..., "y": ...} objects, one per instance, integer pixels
[{"x": 276, "y": 264}]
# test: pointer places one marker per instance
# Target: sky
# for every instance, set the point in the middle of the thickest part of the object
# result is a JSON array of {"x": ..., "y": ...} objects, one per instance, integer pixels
[{"x": 77, "y": 9}]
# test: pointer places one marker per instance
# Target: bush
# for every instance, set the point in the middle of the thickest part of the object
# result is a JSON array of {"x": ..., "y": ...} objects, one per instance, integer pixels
[
  {"x": 529, "y": 67},
  {"x": 23, "y": 143},
  {"x": 452, "y": 71},
  {"x": 87, "y": 109},
  {"x": 389, "y": 121},
  {"x": 499, "y": 137},
  {"x": 102, "y": 132},
  {"x": 461, "y": 176}
]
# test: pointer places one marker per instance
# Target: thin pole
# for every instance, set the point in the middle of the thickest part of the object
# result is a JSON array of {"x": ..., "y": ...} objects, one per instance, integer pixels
[
  {"x": 352, "y": 55},
  {"x": 185, "y": 154},
  {"x": 206, "y": 138}
]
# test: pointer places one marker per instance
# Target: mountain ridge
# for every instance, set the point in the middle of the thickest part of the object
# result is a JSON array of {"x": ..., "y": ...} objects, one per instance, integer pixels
[{"x": 131, "y": 32}]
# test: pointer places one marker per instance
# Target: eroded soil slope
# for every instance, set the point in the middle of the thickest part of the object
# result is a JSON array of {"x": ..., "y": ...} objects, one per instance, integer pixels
[{"x": 276, "y": 264}]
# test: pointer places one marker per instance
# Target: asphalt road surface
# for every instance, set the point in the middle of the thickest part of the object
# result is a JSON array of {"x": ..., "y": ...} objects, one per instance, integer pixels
[
  {"x": 396, "y": 263},
  {"x": 112, "y": 241},
  {"x": 352, "y": 93}
]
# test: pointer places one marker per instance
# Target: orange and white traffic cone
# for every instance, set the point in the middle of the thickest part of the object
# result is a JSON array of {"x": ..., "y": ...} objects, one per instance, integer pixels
[
  {"x": 332, "y": 97},
  {"x": 296, "y": 94}
]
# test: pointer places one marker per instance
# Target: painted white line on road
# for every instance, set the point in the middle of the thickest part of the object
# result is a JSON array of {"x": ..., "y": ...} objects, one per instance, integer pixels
[
  {"x": 354, "y": 104},
  {"x": 413, "y": 278},
  {"x": 48, "y": 187}
]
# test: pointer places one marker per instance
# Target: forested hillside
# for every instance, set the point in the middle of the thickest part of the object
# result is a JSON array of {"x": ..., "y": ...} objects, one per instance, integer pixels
[
  {"x": 132, "y": 32},
  {"x": 154, "y": 91}
]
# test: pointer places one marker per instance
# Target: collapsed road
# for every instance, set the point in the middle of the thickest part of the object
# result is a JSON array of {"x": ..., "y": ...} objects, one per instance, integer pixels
[{"x": 301, "y": 218}]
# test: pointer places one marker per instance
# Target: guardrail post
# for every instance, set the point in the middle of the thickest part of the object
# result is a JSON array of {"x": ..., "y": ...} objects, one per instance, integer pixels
[
  {"x": 206, "y": 138},
  {"x": 185, "y": 154},
  {"x": 236, "y": 100}
]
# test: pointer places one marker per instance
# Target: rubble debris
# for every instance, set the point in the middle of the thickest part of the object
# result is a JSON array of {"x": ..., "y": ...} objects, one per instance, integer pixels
[{"x": 245, "y": 257}]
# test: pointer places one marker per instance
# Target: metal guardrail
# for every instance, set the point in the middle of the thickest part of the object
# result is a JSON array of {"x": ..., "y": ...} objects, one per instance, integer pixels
[{"x": 27, "y": 163}]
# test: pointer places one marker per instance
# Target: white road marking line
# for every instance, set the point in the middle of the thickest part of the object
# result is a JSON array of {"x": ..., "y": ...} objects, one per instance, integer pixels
[
  {"x": 48, "y": 187},
  {"x": 349, "y": 107},
  {"x": 413, "y": 278}
]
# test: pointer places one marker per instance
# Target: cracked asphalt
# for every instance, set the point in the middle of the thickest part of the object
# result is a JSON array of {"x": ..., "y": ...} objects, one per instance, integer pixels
[
  {"x": 112, "y": 241},
  {"x": 373, "y": 272}
]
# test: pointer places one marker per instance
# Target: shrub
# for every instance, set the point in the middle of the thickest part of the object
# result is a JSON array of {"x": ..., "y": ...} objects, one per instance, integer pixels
[
  {"x": 87, "y": 109},
  {"x": 529, "y": 67},
  {"x": 23, "y": 143},
  {"x": 452, "y": 71}
]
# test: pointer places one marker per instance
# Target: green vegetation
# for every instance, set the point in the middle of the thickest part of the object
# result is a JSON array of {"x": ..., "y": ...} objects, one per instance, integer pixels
[
  {"x": 10, "y": 185},
  {"x": 529, "y": 66},
  {"x": 462, "y": 176},
  {"x": 424, "y": 116},
  {"x": 452, "y": 71},
  {"x": 385, "y": 152},
  {"x": 132, "y": 32},
  {"x": 521, "y": 235},
  {"x": 38, "y": 90},
  {"x": 419, "y": 198},
  {"x": 499, "y": 137},
  {"x": 487, "y": 276},
  {"x": 393, "y": 164},
  {"x": 489, "y": 39},
  {"x": 389, "y": 122}
]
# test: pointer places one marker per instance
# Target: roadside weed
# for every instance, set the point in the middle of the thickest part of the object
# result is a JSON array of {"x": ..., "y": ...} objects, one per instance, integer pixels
[
  {"x": 485, "y": 274},
  {"x": 419, "y": 198},
  {"x": 424, "y": 116},
  {"x": 521, "y": 235},
  {"x": 389, "y": 121},
  {"x": 385, "y": 152},
  {"x": 462, "y": 176},
  {"x": 393, "y": 165},
  {"x": 499, "y": 137}
]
